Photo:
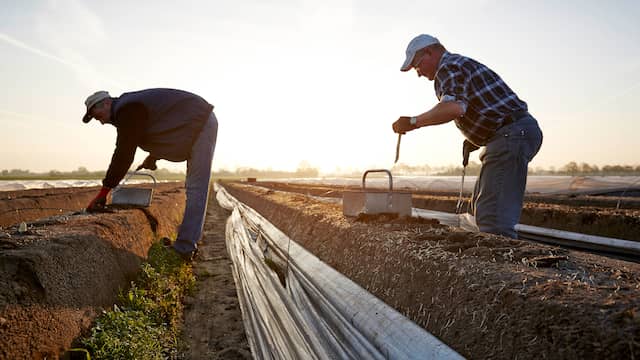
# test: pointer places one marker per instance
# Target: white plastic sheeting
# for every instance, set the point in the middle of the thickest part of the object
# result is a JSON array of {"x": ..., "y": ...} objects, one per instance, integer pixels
[
  {"x": 317, "y": 313},
  {"x": 535, "y": 184},
  {"x": 551, "y": 236},
  {"x": 15, "y": 185}
]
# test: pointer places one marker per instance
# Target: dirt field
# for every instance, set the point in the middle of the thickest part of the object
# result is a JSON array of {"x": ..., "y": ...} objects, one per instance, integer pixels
[
  {"x": 58, "y": 276},
  {"x": 55, "y": 278},
  {"x": 484, "y": 295}
]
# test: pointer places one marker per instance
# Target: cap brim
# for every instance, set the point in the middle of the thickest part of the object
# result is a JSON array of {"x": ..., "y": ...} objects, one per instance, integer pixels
[
  {"x": 86, "y": 118},
  {"x": 407, "y": 63}
]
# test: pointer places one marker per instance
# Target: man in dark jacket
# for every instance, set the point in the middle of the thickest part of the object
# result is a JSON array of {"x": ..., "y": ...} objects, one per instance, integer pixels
[
  {"x": 489, "y": 114},
  {"x": 169, "y": 124}
]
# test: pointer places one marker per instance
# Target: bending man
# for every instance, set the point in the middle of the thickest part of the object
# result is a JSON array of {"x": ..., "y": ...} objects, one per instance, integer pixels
[
  {"x": 489, "y": 114},
  {"x": 170, "y": 124}
]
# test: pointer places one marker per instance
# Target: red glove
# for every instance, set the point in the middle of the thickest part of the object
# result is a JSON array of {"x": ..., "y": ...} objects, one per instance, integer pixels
[
  {"x": 99, "y": 201},
  {"x": 403, "y": 124}
]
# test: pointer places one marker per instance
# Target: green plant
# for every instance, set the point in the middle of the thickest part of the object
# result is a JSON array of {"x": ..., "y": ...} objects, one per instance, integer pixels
[
  {"x": 146, "y": 325},
  {"x": 127, "y": 334}
]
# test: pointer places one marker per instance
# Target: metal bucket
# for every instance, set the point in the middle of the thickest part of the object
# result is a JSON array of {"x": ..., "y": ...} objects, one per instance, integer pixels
[
  {"x": 371, "y": 201},
  {"x": 131, "y": 195}
]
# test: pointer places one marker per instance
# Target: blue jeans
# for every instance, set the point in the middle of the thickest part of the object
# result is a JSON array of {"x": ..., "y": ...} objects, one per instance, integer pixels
[
  {"x": 197, "y": 184},
  {"x": 499, "y": 190}
]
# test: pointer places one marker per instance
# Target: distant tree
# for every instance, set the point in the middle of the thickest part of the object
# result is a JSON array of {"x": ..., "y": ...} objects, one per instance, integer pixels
[
  {"x": 612, "y": 169},
  {"x": 306, "y": 170},
  {"x": 402, "y": 168},
  {"x": 81, "y": 171},
  {"x": 246, "y": 171},
  {"x": 586, "y": 169},
  {"x": 571, "y": 168},
  {"x": 19, "y": 172},
  {"x": 222, "y": 173}
]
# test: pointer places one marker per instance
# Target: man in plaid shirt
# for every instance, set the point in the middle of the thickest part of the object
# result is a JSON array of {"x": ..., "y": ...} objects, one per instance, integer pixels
[{"x": 489, "y": 114}]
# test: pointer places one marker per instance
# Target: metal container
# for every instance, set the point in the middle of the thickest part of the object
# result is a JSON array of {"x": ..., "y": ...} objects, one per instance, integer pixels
[
  {"x": 131, "y": 195},
  {"x": 374, "y": 201}
]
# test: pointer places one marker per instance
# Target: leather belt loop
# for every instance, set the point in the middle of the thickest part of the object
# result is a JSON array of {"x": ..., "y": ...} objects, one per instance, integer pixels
[
  {"x": 513, "y": 117},
  {"x": 508, "y": 120}
]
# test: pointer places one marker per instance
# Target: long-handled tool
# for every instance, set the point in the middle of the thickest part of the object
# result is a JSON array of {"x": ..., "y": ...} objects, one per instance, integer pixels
[
  {"x": 398, "y": 147},
  {"x": 465, "y": 161},
  {"x": 460, "y": 202},
  {"x": 466, "y": 150}
]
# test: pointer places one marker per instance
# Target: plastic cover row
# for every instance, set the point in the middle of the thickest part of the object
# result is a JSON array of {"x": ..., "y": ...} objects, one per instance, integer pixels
[{"x": 294, "y": 306}]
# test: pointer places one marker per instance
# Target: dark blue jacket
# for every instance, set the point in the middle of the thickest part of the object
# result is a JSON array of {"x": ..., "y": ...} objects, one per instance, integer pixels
[{"x": 163, "y": 122}]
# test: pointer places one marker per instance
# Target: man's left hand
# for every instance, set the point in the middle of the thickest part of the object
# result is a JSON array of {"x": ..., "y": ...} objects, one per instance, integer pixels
[
  {"x": 403, "y": 124},
  {"x": 148, "y": 163},
  {"x": 467, "y": 148}
]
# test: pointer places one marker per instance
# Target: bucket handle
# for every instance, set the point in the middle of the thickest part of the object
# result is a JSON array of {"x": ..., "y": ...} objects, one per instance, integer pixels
[
  {"x": 364, "y": 176},
  {"x": 132, "y": 173}
]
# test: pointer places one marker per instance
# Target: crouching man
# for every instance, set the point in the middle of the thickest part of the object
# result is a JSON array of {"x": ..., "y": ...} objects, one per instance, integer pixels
[{"x": 171, "y": 125}]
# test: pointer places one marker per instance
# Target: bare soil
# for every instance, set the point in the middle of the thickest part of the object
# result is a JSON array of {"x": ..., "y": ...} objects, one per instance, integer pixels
[
  {"x": 33, "y": 204},
  {"x": 595, "y": 215},
  {"x": 484, "y": 295},
  {"x": 27, "y": 205},
  {"x": 213, "y": 326},
  {"x": 57, "y": 276}
]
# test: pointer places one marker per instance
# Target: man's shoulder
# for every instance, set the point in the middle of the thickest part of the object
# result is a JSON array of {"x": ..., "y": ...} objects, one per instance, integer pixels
[
  {"x": 452, "y": 64},
  {"x": 453, "y": 60},
  {"x": 129, "y": 114},
  {"x": 130, "y": 106},
  {"x": 459, "y": 64}
]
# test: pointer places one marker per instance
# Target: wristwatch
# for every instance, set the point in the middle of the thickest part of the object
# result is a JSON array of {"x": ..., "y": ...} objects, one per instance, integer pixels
[{"x": 413, "y": 120}]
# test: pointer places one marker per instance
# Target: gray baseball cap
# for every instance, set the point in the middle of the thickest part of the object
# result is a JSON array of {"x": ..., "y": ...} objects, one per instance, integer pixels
[
  {"x": 418, "y": 43},
  {"x": 92, "y": 100}
]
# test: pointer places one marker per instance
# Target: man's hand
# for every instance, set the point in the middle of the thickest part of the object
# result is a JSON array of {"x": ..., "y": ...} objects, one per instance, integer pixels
[
  {"x": 148, "y": 163},
  {"x": 99, "y": 201},
  {"x": 403, "y": 124},
  {"x": 467, "y": 148}
]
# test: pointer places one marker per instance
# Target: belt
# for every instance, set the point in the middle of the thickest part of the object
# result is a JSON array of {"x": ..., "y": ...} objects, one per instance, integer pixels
[{"x": 513, "y": 117}]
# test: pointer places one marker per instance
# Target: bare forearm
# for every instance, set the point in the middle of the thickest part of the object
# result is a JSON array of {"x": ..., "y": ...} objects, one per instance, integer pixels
[{"x": 441, "y": 113}]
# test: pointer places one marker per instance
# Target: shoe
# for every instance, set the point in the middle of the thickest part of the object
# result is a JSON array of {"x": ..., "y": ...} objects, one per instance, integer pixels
[
  {"x": 187, "y": 257},
  {"x": 166, "y": 242}
]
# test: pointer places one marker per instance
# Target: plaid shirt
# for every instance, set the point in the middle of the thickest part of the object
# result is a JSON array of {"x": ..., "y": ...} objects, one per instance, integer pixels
[{"x": 486, "y": 98}]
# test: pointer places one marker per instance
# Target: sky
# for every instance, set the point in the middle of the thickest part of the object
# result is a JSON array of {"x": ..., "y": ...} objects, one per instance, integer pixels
[{"x": 314, "y": 81}]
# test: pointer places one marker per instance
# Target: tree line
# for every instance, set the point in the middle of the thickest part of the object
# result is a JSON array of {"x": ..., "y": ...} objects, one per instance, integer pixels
[
  {"x": 305, "y": 170},
  {"x": 570, "y": 169}
]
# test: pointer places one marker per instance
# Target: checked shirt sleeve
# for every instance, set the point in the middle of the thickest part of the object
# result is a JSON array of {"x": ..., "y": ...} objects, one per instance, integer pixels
[{"x": 451, "y": 85}]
